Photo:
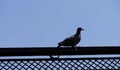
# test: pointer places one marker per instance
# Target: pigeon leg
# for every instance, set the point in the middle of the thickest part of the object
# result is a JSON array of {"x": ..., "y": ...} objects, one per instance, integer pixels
[{"x": 75, "y": 48}]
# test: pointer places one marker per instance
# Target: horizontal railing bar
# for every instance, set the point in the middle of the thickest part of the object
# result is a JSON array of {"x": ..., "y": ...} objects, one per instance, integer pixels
[
  {"x": 39, "y": 59},
  {"x": 43, "y": 51}
]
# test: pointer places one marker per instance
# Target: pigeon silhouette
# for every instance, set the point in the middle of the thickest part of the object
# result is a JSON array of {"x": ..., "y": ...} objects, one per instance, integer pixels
[{"x": 72, "y": 40}]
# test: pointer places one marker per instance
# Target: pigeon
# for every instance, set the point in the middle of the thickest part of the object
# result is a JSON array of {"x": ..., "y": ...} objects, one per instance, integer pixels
[{"x": 72, "y": 40}]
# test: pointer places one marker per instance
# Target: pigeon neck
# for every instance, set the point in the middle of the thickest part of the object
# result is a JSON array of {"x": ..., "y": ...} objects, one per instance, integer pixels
[{"x": 78, "y": 32}]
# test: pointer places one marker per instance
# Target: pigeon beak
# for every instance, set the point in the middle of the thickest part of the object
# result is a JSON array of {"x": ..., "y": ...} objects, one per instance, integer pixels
[{"x": 82, "y": 29}]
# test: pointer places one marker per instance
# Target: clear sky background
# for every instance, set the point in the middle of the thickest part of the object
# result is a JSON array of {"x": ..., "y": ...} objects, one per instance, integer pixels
[{"x": 28, "y": 23}]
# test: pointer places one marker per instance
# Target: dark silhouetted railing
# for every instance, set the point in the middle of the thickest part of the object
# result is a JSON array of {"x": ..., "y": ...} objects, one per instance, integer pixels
[{"x": 37, "y": 58}]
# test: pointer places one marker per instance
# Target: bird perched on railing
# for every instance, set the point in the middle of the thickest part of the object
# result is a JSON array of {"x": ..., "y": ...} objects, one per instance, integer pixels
[{"x": 71, "y": 41}]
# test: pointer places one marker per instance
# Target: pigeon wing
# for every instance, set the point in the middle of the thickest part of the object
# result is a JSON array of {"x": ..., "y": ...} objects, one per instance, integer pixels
[{"x": 68, "y": 41}]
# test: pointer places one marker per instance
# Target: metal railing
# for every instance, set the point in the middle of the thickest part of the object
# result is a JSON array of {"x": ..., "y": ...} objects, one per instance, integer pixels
[{"x": 37, "y": 58}]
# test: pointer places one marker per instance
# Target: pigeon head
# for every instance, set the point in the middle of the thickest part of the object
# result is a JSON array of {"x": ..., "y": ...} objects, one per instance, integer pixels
[{"x": 79, "y": 29}]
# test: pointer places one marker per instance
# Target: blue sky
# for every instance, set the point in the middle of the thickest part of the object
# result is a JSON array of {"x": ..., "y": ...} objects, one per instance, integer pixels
[{"x": 27, "y": 23}]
